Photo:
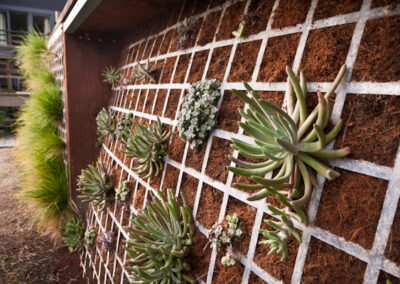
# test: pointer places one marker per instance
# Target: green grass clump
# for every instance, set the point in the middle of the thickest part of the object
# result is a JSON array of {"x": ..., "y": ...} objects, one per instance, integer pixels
[{"x": 41, "y": 171}]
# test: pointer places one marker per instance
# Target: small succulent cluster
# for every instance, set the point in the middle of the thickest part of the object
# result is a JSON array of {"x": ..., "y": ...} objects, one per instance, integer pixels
[
  {"x": 147, "y": 147},
  {"x": 105, "y": 124},
  {"x": 106, "y": 241},
  {"x": 159, "y": 241},
  {"x": 287, "y": 145},
  {"x": 90, "y": 236},
  {"x": 218, "y": 236},
  {"x": 123, "y": 191},
  {"x": 72, "y": 233},
  {"x": 199, "y": 112},
  {"x": 96, "y": 185},
  {"x": 186, "y": 31},
  {"x": 111, "y": 76},
  {"x": 144, "y": 71},
  {"x": 124, "y": 126}
]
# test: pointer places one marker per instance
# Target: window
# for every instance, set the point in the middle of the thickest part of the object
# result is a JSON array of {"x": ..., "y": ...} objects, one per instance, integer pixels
[{"x": 41, "y": 24}]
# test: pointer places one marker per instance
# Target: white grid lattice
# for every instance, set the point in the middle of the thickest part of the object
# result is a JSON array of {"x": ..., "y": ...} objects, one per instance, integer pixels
[{"x": 375, "y": 257}]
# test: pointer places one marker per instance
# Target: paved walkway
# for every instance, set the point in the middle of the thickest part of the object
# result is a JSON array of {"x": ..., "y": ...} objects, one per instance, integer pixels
[{"x": 7, "y": 141}]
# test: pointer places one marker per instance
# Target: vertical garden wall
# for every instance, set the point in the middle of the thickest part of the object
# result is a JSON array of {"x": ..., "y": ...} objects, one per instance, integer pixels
[{"x": 354, "y": 228}]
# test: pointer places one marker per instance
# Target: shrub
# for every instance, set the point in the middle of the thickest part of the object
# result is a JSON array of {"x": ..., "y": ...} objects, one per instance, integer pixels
[
  {"x": 293, "y": 151},
  {"x": 159, "y": 241},
  {"x": 147, "y": 147},
  {"x": 199, "y": 112},
  {"x": 72, "y": 234},
  {"x": 42, "y": 175},
  {"x": 96, "y": 185}
]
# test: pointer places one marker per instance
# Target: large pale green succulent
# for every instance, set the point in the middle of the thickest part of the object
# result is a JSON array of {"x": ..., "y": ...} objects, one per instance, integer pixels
[
  {"x": 147, "y": 147},
  {"x": 96, "y": 185},
  {"x": 159, "y": 241},
  {"x": 291, "y": 146}
]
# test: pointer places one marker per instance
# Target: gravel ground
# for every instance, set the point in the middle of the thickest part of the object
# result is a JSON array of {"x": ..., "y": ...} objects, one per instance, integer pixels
[{"x": 25, "y": 255}]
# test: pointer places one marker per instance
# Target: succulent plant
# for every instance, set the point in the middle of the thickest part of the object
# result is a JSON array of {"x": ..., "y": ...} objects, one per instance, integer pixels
[
  {"x": 144, "y": 71},
  {"x": 160, "y": 239},
  {"x": 124, "y": 126},
  {"x": 72, "y": 233},
  {"x": 106, "y": 240},
  {"x": 248, "y": 19},
  {"x": 186, "y": 31},
  {"x": 105, "y": 124},
  {"x": 90, "y": 236},
  {"x": 199, "y": 112},
  {"x": 96, "y": 185},
  {"x": 111, "y": 76},
  {"x": 219, "y": 236},
  {"x": 147, "y": 147},
  {"x": 286, "y": 144},
  {"x": 123, "y": 191}
]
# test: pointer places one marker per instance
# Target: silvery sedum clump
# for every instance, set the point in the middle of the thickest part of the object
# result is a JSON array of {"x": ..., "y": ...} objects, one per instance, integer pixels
[
  {"x": 123, "y": 192},
  {"x": 291, "y": 146},
  {"x": 124, "y": 126},
  {"x": 199, "y": 112},
  {"x": 160, "y": 237}
]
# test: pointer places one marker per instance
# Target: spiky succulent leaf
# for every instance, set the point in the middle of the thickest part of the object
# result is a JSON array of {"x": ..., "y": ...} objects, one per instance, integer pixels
[
  {"x": 160, "y": 237},
  {"x": 96, "y": 185},
  {"x": 291, "y": 146},
  {"x": 111, "y": 76},
  {"x": 72, "y": 233},
  {"x": 105, "y": 123},
  {"x": 147, "y": 147}
]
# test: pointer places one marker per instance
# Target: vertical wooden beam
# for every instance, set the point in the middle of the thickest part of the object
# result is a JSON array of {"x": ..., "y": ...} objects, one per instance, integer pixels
[{"x": 85, "y": 57}]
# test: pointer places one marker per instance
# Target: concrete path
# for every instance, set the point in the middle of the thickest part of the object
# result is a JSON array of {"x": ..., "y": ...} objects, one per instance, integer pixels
[{"x": 7, "y": 141}]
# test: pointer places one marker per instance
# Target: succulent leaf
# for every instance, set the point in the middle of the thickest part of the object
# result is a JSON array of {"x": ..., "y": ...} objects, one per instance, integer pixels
[
  {"x": 147, "y": 147},
  {"x": 159, "y": 240},
  {"x": 280, "y": 144},
  {"x": 111, "y": 76},
  {"x": 96, "y": 185}
]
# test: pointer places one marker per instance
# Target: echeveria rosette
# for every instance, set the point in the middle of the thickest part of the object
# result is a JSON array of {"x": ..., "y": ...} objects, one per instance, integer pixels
[
  {"x": 147, "y": 147},
  {"x": 96, "y": 185},
  {"x": 160, "y": 237},
  {"x": 105, "y": 124},
  {"x": 111, "y": 76},
  {"x": 198, "y": 115},
  {"x": 291, "y": 146}
]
